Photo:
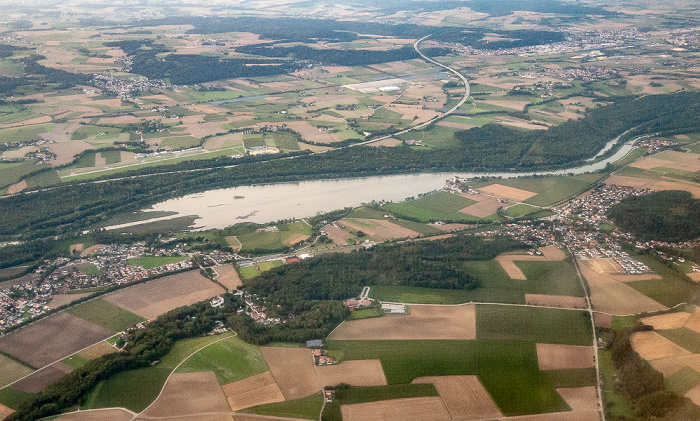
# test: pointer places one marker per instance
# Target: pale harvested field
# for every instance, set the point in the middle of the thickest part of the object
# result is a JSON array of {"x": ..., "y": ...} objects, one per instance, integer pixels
[
  {"x": 354, "y": 373},
  {"x": 692, "y": 361},
  {"x": 162, "y": 99},
  {"x": 611, "y": 296},
  {"x": 690, "y": 163},
  {"x": 11, "y": 370},
  {"x": 218, "y": 142},
  {"x": 17, "y": 187},
  {"x": 484, "y": 206},
  {"x": 523, "y": 124},
  {"x": 52, "y": 338},
  {"x": 514, "y": 105},
  {"x": 122, "y": 119},
  {"x": 559, "y": 416},
  {"x": 200, "y": 417},
  {"x": 512, "y": 270},
  {"x": 693, "y": 322},
  {"x": 452, "y": 227},
  {"x": 156, "y": 297},
  {"x": 651, "y": 346},
  {"x": 97, "y": 415},
  {"x": 667, "y": 366},
  {"x": 38, "y": 380},
  {"x": 407, "y": 409},
  {"x": 30, "y": 122},
  {"x": 455, "y": 125},
  {"x": 379, "y": 229},
  {"x": 234, "y": 243},
  {"x": 603, "y": 321},
  {"x": 5, "y": 411},
  {"x": 337, "y": 69},
  {"x": 390, "y": 142},
  {"x": 293, "y": 370},
  {"x": 606, "y": 266},
  {"x": 66, "y": 151},
  {"x": 424, "y": 322},
  {"x": 464, "y": 396},
  {"x": 93, "y": 249},
  {"x": 200, "y": 128},
  {"x": 580, "y": 398},
  {"x": 694, "y": 395},
  {"x": 656, "y": 185},
  {"x": 257, "y": 390},
  {"x": 99, "y": 349},
  {"x": 59, "y": 300},
  {"x": 310, "y": 133},
  {"x": 562, "y": 357},
  {"x": 189, "y": 394},
  {"x": 694, "y": 276},
  {"x": 205, "y": 109},
  {"x": 338, "y": 235},
  {"x": 324, "y": 101},
  {"x": 296, "y": 238},
  {"x": 435, "y": 237},
  {"x": 19, "y": 153},
  {"x": 508, "y": 192},
  {"x": 228, "y": 277},
  {"x": 552, "y": 253},
  {"x": 555, "y": 300},
  {"x": 245, "y": 417},
  {"x": 667, "y": 321}
]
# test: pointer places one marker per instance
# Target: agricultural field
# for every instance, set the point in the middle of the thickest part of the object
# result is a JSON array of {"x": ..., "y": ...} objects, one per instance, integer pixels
[
  {"x": 285, "y": 235},
  {"x": 137, "y": 389},
  {"x": 230, "y": 360},
  {"x": 11, "y": 370},
  {"x": 106, "y": 314},
  {"x": 150, "y": 262},
  {"x": 158, "y": 296},
  {"x": 248, "y": 272},
  {"x": 439, "y": 206}
]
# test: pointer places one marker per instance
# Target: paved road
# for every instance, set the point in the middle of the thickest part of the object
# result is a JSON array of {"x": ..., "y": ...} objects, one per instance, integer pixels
[{"x": 434, "y": 119}]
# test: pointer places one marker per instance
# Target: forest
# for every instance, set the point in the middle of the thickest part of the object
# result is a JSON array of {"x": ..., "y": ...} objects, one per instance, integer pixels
[{"x": 672, "y": 216}]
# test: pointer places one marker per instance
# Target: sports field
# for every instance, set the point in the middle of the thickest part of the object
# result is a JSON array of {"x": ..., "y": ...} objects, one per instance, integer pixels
[{"x": 252, "y": 271}]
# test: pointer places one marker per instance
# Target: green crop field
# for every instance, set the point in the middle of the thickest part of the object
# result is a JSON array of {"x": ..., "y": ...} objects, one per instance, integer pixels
[
  {"x": 112, "y": 157},
  {"x": 136, "y": 389},
  {"x": 285, "y": 141},
  {"x": 274, "y": 240},
  {"x": 149, "y": 262},
  {"x": 231, "y": 360},
  {"x": 255, "y": 270},
  {"x": 44, "y": 178},
  {"x": 520, "y": 210},
  {"x": 439, "y": 206},
  {"x": 682, "y": 381},
  {"x": 550, "y": 189},
  {"x": 11, "y": 370},
  {"x": 24, "y": 134},
  {"x": 417, "y": 227},
  {"x": 307, "y": 408},
  {"x": 507, "y": 369},
  {"x": 555, "y": 278},
  {"x": 105, "y": 314},
  {"x": 13, "y": 398},
  {"x": 574, "y": 377},
  {"x": 351, "y": 395},
  {"x": 673, "y": 289},
  {"x": 684, "y": 337},
  {"x": 75, "y": 361},
  {"x": 180, "y": 142},
  {"x": 13, "y": 173},
  {"x": 541, "y": 325}
]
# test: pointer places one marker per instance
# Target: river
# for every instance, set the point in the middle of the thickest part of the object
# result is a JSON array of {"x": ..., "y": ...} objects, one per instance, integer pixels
[{"x": 272, "y": 202}]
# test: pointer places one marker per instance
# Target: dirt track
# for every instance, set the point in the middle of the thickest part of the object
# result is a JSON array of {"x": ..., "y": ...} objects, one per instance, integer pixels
[
  {"x": 101, "y": 415},
  {"x": 424, "y": 322}
]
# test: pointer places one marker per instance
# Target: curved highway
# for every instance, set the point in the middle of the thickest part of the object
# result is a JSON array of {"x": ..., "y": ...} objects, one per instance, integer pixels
[{"x": 434, "y": 119}]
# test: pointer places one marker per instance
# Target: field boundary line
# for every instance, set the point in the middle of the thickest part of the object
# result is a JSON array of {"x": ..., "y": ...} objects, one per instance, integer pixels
[{"x": 234, "y": 334}]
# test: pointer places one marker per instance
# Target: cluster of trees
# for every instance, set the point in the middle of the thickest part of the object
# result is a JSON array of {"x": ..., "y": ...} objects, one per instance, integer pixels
[
  {"x": 643, "y": 385},
  {"x": 338, "y": 56},
  {"x": 431, "y": 264},
  {"x": 665, "y": 216},
  {"x": 143, "y": 347},
  {"x": 38, "y": 75}
]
